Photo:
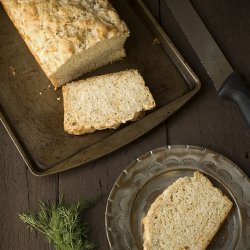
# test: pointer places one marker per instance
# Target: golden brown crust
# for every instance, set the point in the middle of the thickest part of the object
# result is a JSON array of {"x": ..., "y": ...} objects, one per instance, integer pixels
[
  {"x": 14, "y": 21},
  {"x": 55, "y": 30}
]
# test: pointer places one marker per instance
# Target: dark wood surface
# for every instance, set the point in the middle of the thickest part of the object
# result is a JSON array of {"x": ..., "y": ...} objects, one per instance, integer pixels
[{"x": 206, "y": 121}]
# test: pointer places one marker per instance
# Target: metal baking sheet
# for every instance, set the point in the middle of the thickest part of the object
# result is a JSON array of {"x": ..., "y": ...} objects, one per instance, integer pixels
[
  {"x": 32, "y": 112},
  {"x": 144, "y": 179}
]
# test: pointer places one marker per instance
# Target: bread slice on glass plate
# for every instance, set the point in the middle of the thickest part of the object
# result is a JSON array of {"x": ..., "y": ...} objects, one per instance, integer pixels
[{"x": 187, "y": 215}]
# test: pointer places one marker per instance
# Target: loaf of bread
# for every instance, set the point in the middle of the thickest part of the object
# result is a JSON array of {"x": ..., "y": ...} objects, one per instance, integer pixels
[
  {"x": 186, "y": 215},
  {"x": 105, "y": 101},
  {"x": 69, "y": 38}
]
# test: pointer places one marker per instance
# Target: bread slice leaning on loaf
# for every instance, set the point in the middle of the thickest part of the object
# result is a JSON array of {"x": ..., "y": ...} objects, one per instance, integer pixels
[
  {"x": 186, "y": 215},
  {"x": 69, "y": 38},
  {"x": 105, "y": 101}
]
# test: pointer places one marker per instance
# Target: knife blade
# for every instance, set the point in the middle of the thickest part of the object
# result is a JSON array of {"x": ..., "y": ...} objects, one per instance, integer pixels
[{"x": 229, "y": 84}]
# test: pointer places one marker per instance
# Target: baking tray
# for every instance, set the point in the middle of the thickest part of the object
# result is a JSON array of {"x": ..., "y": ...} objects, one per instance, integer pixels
[
  {"x": 149, "y": 175},
  {"x": 32, "y": 112}
]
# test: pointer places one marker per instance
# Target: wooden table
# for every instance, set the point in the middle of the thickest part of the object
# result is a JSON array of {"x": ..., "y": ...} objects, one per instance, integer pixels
[{"x": 206, "y": 121}]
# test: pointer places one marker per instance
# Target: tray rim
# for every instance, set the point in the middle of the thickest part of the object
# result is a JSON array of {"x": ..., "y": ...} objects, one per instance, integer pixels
[
  {"x": 98, "y": 149},
  {"x": 148, "y": 154}
]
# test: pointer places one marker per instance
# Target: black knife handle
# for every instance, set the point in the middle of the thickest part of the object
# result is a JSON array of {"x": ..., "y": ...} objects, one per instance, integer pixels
[{"x": 237, "y": 89}]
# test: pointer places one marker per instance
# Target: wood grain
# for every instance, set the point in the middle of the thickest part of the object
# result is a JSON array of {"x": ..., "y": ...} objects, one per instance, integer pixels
[
  {"x": 206, "y": 121},
  {"x": 209, "y": 121},
  {"x": 20, "y": 192},
  {"x": 99, "y": 177}
]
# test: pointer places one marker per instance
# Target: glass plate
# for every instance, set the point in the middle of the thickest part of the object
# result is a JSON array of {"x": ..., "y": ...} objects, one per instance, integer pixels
[{"x": 144, "y": 179}]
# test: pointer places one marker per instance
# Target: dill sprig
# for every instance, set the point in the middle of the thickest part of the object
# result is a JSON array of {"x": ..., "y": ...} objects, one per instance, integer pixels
[{"x": 61, "y": 224}]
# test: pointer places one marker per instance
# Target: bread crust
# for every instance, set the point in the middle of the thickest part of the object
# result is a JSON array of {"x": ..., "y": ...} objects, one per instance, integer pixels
[
  {"x": 22, "y": 34},
  {"x": 54, "y": 31}
]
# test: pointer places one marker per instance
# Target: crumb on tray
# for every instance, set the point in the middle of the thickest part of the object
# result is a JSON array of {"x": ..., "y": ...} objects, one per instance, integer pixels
[
  {"x": 12, "y": 70},
  {"x": 156, "y": 41}
]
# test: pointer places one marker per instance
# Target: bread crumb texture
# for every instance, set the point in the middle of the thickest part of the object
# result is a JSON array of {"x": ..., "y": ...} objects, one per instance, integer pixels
[
  {"x": 55, "y": 30},
  {"x": 186, "y": 215},
  {"x": 105, "y": 101}
]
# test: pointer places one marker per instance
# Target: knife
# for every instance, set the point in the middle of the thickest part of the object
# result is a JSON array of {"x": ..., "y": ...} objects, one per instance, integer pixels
[{"x": 229, "y": 84}]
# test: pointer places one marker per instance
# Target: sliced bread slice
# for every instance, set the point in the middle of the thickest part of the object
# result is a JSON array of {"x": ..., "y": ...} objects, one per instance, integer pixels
[
  {"x": 105, "y": 101},
  {"x": 186, "y": 215}
]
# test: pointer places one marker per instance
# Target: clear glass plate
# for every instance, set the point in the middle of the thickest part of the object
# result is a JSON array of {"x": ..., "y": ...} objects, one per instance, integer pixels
[{"x": 144, "y": 179}]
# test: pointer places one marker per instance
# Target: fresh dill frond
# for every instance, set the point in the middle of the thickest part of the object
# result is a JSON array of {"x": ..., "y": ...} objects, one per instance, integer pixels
[{"x": 61, "y": 224}]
